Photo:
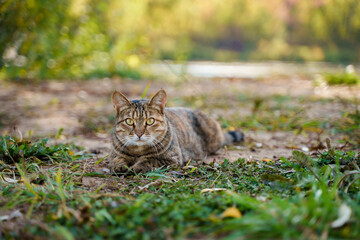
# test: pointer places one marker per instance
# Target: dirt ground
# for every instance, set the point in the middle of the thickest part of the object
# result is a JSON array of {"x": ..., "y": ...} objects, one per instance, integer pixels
[{"x": 42, "y": 109}]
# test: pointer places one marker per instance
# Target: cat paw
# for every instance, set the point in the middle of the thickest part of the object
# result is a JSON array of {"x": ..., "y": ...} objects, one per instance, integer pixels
[
  {"x": 118, "y": 165},
  {"x": 143, "y": 168}
]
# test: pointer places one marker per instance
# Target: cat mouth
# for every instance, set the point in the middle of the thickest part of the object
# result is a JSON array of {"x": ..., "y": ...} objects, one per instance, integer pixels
[
  {"x": 139, "y": 141},
  {"x": 136, "y": 141}
]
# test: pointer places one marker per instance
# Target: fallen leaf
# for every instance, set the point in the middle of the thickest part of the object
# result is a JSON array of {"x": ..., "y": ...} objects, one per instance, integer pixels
[
  {"x": 14, "y": 214},
  {"x": 157, "y": 183},
  {"x": 313, "y": 129},
  {"x": 344, "y": 216},
  {"x": 212, "y": 190},
  {"x": 188, "y": 167},
  {"x": 4, "y": 218},
  {"x": 293, "y": 147},
  {"x": 177, "y": 173},
  {"x": 266, "y": 160},
  {"x": 10, "y": 180},
  {"x": 231, "y": 212},
  {"x": 305, "y": 149}
]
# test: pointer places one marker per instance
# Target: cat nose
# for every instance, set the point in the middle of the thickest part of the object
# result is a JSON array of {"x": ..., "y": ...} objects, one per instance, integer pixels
[{"x": 139, "y": 134}]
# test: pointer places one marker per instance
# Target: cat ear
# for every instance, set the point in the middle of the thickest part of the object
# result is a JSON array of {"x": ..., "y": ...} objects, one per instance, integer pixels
[
  {"x": 159, "y": 100},
  {"x": 120, "y": 101}
]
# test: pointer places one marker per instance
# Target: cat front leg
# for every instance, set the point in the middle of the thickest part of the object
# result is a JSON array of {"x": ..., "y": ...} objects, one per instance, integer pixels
[
  {"x": 119, "y": 164},
  {"x": 141, "y": 167},
  {"x": 144, "y": 165}
]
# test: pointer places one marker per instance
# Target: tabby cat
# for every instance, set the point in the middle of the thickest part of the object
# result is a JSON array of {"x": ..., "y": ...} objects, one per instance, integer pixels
[{"x": 147, "y": 135}]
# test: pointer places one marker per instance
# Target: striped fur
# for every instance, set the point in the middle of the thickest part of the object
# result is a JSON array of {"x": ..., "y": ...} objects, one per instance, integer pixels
[{"x": 176, "y": 135}]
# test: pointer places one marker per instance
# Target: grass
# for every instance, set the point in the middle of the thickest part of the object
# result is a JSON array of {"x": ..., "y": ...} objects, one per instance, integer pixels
[
  {"x": 13, "y": 151},
  {"x": 96, "y": 121},
  {"x": 302, "y": 197},
  {"x": 19, "y": 74},
  {"x": 342, "y": 79},
  {"x": 349, "y": 124}
]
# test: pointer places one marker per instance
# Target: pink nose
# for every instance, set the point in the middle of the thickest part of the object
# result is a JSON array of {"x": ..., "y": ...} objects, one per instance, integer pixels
[{"x": 139, "y": 134}]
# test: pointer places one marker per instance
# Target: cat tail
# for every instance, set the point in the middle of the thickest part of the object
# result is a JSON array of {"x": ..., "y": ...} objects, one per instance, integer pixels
[{"x": 232, "y": 137}]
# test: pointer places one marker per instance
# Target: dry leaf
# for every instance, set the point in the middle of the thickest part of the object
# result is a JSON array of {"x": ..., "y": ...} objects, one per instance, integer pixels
[
  {"x": 344, "y": 216},
  {"x": 14, "y": 214},
  {"x": 10, "y": 180},
  {"x": 305, "y": 149},
  {"x": 293, "y": 147},
  {"x": 266, "y": 160},
  {"x": 232, "y": 212},
  {"x": 212, "y": 190},
  {"x": 313, "y": 129}
]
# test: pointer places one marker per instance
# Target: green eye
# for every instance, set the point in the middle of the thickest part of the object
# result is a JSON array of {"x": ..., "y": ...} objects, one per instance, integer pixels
[
  {"x": 129, "y": 121},
  {"x": 150, "y": 121}
]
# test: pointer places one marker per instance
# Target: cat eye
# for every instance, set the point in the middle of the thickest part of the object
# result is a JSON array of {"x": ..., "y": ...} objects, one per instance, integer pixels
[
  {"x": 150, "y": 121},
  {"x": 129, "y": 121}
]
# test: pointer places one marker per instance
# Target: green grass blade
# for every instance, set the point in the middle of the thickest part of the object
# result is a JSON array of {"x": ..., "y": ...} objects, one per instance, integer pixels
[{"x": 143, "y": 95}]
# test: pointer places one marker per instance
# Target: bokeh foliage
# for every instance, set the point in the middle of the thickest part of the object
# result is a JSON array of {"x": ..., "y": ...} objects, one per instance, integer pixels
[{"x": 88, "y": 38}]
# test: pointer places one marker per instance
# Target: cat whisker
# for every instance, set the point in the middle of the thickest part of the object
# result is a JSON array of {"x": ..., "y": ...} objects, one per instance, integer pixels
[
  {"x": 154, "y": 147},
  {"x": 124, "y": 145},
  {"x": 120, "y": 140},
  {"x": 159, "y": 143},
  {"x": 165, "y": 139}
]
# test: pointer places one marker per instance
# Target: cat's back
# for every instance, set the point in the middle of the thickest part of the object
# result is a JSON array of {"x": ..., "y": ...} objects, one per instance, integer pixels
[
  {"x": 180, "y": 116},
  {"x": 186, "y": 130},
  {"x": 181, "y": 111},
  {"x": 197, "y": 133},
  {"x": 187, "y": 123},
  {"x": 184, "y": 120}
]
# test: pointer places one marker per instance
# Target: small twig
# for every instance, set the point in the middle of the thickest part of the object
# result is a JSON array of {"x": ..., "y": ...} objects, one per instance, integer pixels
[
  {"x": 352, "y": 182},
  {"x": 332, "y": 166},
  {"x": 213, "y": 183},
  {"x": 20, "y": 134},
  {"x": 309, "y": 167},
  {"x": 266, "y": 165},
  {"x": 83, "y": 171},
  {"x": 343, "y": 146},
  {"x": 339, "y": 185},
  {"x": 355, "y": 165},
  {"x": 312, "y": 171},
  {"x": 153, "y": 183}
]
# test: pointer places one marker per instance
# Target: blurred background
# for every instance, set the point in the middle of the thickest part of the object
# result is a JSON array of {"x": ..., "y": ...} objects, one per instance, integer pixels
[{"x": 80, "y": 39}]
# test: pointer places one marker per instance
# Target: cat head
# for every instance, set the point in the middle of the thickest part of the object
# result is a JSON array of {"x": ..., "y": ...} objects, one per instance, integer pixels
[{"x": 140, "y": 122}]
